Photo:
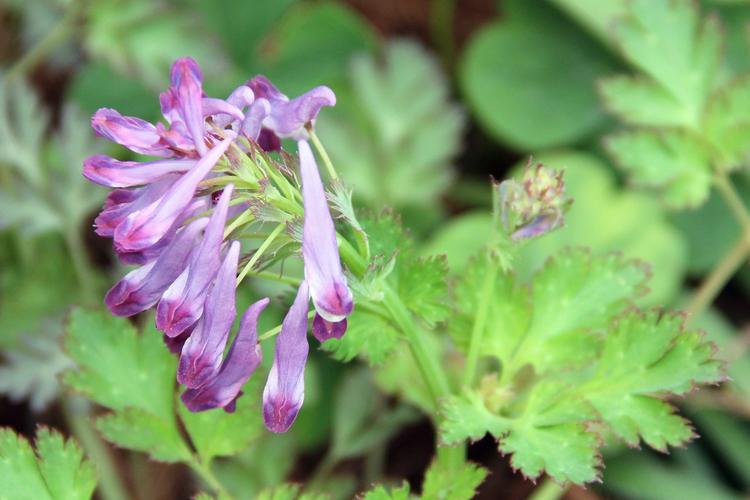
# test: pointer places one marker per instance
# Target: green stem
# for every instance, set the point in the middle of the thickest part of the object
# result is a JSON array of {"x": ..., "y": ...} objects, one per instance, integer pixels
[
  {"x": 53, "y": 39},
  {"x": 276, "y": 329},
  {"x": 81, "y": 266},
  {"x": 432, "y": 373},
  {"x": 206, "y": 474},
  {"x": 323, "y": 155},
  {"x": 75, "y": 410},
  {"x": 733, "y": 200},
  {"x": 480, "y": 323},
  {"x": 267, "y": 275},
  {"x": 548, "y": 490},
  {"x": 720, "y": 275},
  {"x": 441, "y": 26},
  {"x": 260, "y": 251}
]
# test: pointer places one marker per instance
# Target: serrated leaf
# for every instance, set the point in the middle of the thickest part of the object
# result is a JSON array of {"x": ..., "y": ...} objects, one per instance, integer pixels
[
  {"x": 396, "y": 143},
  {"x": 643, "y": 102},
  {"x": 216, "y": 433},
  {"x": 510, "y": 95},
  {"x": 444, "y": 480},
  {"x": 548, "y": 436},
  {"x": 553, "y": 325},
  {"x": 669, "y": 42},
  {"x": 57, "y": 470},
  {"x": 130, "y": 373},
  {"x": 380, "y": 492},
  {"x": 643, "y": 356},
  {"x": 727, "y": 123},
  {"x": 371, "y": 335},
  {"x": 672, "y": 161}
]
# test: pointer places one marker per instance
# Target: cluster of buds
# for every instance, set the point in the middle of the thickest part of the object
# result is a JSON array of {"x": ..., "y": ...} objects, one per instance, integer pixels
[
  {"x": 183, "y": 219},
  {"x": 534, "y": 206}
]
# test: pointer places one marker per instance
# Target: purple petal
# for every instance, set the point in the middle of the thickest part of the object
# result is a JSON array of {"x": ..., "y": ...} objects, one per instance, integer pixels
[
  {"x": 213, "y": 106},
  {"x": 144, "y": 227},
  {"x": 268, "y": 141},
  {"x": 174, "y": 344},
  {"x": 201, "y": 355},
  {"x": 328, "y": 287},
  {"x": 323, "y": 329},
  {"x": 187, "y": 90},
  {"x": 114, "y": 173},
  {"x": 177, "y": 138},
  {"x": 263, "y": 88},
  {"x": 285, "y": 388},
  {"x": 182, "y": 303},
  {"x": 288, "y": 119},
  {"x": 253, "y": 121},
  {"x": 141, "y": 288},
  {"x": 243, "y": 358},
  {"x": 121, "y": 203},
  {"x": 135, "y": 134}
]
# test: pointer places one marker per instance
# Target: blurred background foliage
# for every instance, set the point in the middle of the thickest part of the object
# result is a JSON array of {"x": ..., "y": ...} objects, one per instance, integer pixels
[{"x": 434, "y": 98}]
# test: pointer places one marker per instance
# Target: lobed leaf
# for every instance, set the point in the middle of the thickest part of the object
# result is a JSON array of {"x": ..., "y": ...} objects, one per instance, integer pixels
[
  {"x": 727, "y": 123},
  {"x": 56, "y": 470}
]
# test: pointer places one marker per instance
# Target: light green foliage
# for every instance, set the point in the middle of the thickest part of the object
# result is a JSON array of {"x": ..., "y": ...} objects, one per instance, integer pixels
[
  {"x": 380, "y": 492},
  {"x": 394, "y": 143},
  {"x": 511, "y": 95},
  {"x": 131, "y": 374},
  {"x": 56, "y": 470},
  {"x": 596, "y": 15},
  {"x": 288, "y": 492},
  {"x": 143, "y": 38},
  {"x": 216, "y": 433},
  {"x": 32, "y": 368},
  {"x": 419, "y": 281},
  {"x": 627, "y": 222},
  {"x": 672, "y": 160},
  {"x": 446, "y": 481},
  {"x": 689, "y": 119},
  {"x": 573, "y": 365}
]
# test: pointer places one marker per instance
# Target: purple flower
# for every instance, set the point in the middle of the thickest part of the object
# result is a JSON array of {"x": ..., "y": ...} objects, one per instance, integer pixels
[
  {"x": 186, "y": 90},
  {"x": 285, "y": 387},
  {"x": 288, "y": 118},
  {"x": 328, "y": 287},
  {"x": 141, "y": 288},
  {"x": 122, "y": 202},
  {"x": 182, "y": 303},
  {"x": 324, "y": 330},
  {"x": 146, "y": 226},
  {"x": 110, "y": 172},
  {"x": 243, "y": 358},
  {"x": 135, "y": 134},
  {"x": 201, "y": 355}
]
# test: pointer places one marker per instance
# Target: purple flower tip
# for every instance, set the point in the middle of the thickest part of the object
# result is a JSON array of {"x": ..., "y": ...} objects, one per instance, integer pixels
[{"x": 323, "y": 329}]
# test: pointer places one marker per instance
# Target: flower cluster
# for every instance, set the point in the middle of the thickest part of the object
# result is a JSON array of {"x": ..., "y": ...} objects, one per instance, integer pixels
[{"x": 170, "y": 217}]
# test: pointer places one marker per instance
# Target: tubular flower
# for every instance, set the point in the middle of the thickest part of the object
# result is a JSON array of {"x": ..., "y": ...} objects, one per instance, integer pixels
[
  {"x": 328, "y": 288},
  {"x": 285, "y": 387},
  {"x": 181, "y": 216}
]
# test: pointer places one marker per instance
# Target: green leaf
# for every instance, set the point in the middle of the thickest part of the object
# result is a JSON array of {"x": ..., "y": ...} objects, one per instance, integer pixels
[
  {"x": 380, "y": 492},
  {"x": 551, "y": 326},
  {"x": 144, "y": 38},
  {"x": 595, "y": 15},
  {"x": 288, "y": 492},
  {"x": 646, "y": 355},
  {"x": 56, "y": 471},
  {"x": 727, "y": 123},
  {"x": 672, "y": 161},
  {"x": 444, "y": 480},
  {"x": 396, "y": 140},
  {"x": 312, "y": 44},
  {"x": 216, "y": 433},
  {"x": 131, "y": 374},
  {"x": 671, "y": 44},
  {"x": 549, "y": 435},
  {"x": 643, "y": 102},
  {"x": 510, "y": 95}
]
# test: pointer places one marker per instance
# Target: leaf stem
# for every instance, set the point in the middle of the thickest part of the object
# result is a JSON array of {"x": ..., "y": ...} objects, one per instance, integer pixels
[
  {"x": 480, "y": 323},
  {"x": 260, "y": 251},
  {"x": 81, "y": 265},
  {"x": 733, "y": 200},
  {"x": 720, "y": 275},
  {"x": 441, "y": 26},
  {"x": 323, "y": 155},
  {"x": 75, "y": 410},
  {"x": 548, "y": 490},
  {"x": 430, "y": 368},
  {"x": 206, "y": 474},
  {"x": 277, "y": 329}
]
